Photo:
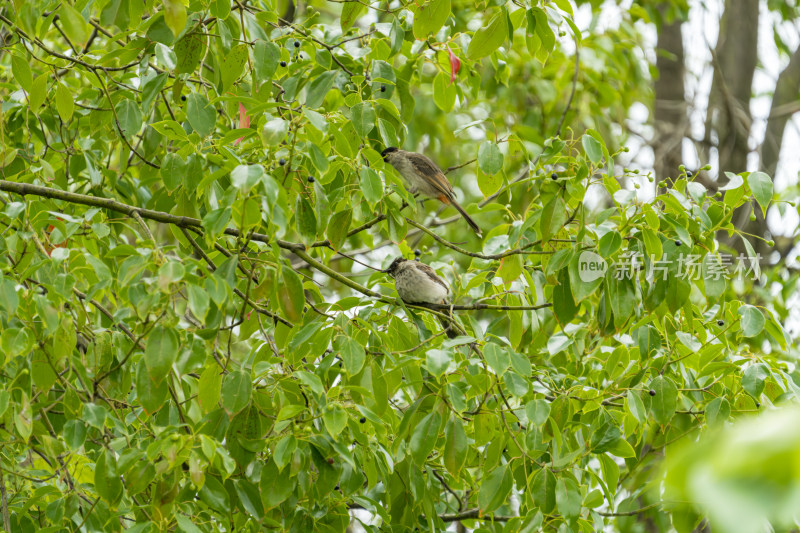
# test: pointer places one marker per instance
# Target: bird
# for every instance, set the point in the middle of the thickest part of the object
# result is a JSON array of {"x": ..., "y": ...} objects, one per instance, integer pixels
[
  {"x": 417, "y": 283},
  {"x": 423, "y": 176}
]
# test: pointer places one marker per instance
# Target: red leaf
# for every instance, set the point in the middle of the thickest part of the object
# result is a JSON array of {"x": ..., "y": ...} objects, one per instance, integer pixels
[
  {"x": 244, "y": 121},
  {"x": 455, "y": 65}
]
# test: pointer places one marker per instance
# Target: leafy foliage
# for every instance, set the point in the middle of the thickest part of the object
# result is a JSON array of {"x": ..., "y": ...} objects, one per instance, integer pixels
[{"x": 188, "y": 345}]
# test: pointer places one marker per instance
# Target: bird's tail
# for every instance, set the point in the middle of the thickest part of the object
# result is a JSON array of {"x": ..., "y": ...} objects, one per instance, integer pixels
[{"x": 470, "y": 221}]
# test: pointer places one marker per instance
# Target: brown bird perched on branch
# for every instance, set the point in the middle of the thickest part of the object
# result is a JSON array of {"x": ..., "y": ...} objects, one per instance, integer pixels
[
  {"x": 417, "y": 283},
  {"x": 423, "y": 176}
]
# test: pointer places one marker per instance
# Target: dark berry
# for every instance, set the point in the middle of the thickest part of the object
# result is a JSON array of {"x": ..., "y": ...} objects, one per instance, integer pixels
[
  {"x": 652, "y": 392},
  {"x": 299, "y": 56},
  {"x": 330, "y": 461},
  {"x": 720, "y": 323},
  {"x": 362, "y": 420},
  {"x": 183, "y": 98},
  {"x": 418, "y": 252},
  {"x": 383, "y": 88},
  {"x": 311, "y": 179},
  {"x": 678, "y": 243},
  {"x": 297, "y": 44},
  {"x": 554, "y": 176},
  {"x": 283, "y": 63},
  {"x": 689, "y": 174},
  {"x": 281, "y": 161},
  {"x": 758, "y": 405}
]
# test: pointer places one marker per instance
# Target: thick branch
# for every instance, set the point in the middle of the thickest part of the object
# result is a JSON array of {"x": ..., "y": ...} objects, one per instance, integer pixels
[
  {"x": 471, "y": 514},
  {"x": 119, "y": 207}
]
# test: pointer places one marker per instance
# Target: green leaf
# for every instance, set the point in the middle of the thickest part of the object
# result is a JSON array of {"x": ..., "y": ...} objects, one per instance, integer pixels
[
  {"x": 584, "y": 280},
  {"x": 275, "y": 488},
  {"x": 429, "y": 17},
  {"x": 338, "y": 227},
  {"x": 489, "y": 38},
  {"x": 437, "y": 361},
  {"x": 497, "y": 357},
  {"x": 216, "y": 221},
  {"x": 335, "y": 419},
  {"x": 22, "y": 72},
  {"x": 266, "y": 57},
  {"x": 107, "y": 481},
  {"x": 166, "y": 57},
  {"x": 274, "y": 131},
  {"x": 95, "y": 415},
  {"x": 495, "y": 489},
  {"x": 652, "y": 243},
  {"x": 754, "y": 379},
  {"x": 64, "y": 102},
  {"x": 635, "y": 406},
  {"x": 189, "y": 50},
  {"x": 554, "y": 216},
  {"x": 249, "y": 495},
  {"x": 353, "y": 355},
  {"x": 444, "y": 93},
  {"x": 173, "y": 171},
  {"x": 233, "y": 65},
  {"x": 371, "y": 185},
  {"x": 761, "y": 185},
  {"x": 609, "y": 244},
  {"x": 490, "y": 158},
  {"x": 161, "y": 352},
  {"x": 622, "y": 295},
  {"x": 201, "y": 114},
  {"x": 290, "y": 295},
  {"x": 214, "y": 495},
  {"x": 75, "y": 26},
  {"x": 752, "y": 320},
  {"x": 544, "y": 490},
  {"x": 318, "y": 89},
  {"x": 38, "y": 92},
  {"x": 151, "y": 394},
  {"x": 236, "y": 390},
  {"x": 563, "y": 302},
  {"x": 209, "y": 387},
  {"x": 665, "y": 401},
  {"x": 537, "y": 411},
  {"x": 221, "y": 8},
  {"x": 593, "y": 148},
  {"x": 351, "y": 10},
  {"x": 14, "y": 342},
  {"x": 568, "y": 497},
  {"x": 718, "y": 410},
  {"x": 175, "y": 15},
  {"x": 424, "y": 437},
  {"x": 306, "y": 219},
  {"x": 363, "y": 118},
  {"x": 456, "y": 446},
  {"x": 649, "y": 340}
]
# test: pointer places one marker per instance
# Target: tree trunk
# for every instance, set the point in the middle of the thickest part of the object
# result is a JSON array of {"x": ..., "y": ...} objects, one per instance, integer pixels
[
  {"x": 734, "y": 61},
  {"x": 671, "y": 120}
]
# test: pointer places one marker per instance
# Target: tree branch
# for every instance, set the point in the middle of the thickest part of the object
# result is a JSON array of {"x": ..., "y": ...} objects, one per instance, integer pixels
[
  {"x": 113, "y": 205},
  {"x": 470, "y": 514}
]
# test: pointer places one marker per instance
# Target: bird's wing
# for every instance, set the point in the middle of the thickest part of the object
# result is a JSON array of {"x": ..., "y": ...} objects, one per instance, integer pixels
[
  {"x": 428, "y": 271},
  {"x": 424, "y": 166}
]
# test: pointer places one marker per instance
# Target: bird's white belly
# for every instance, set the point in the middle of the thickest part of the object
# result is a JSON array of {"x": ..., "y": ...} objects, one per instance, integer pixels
[{"x": 420, "y": 289}]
